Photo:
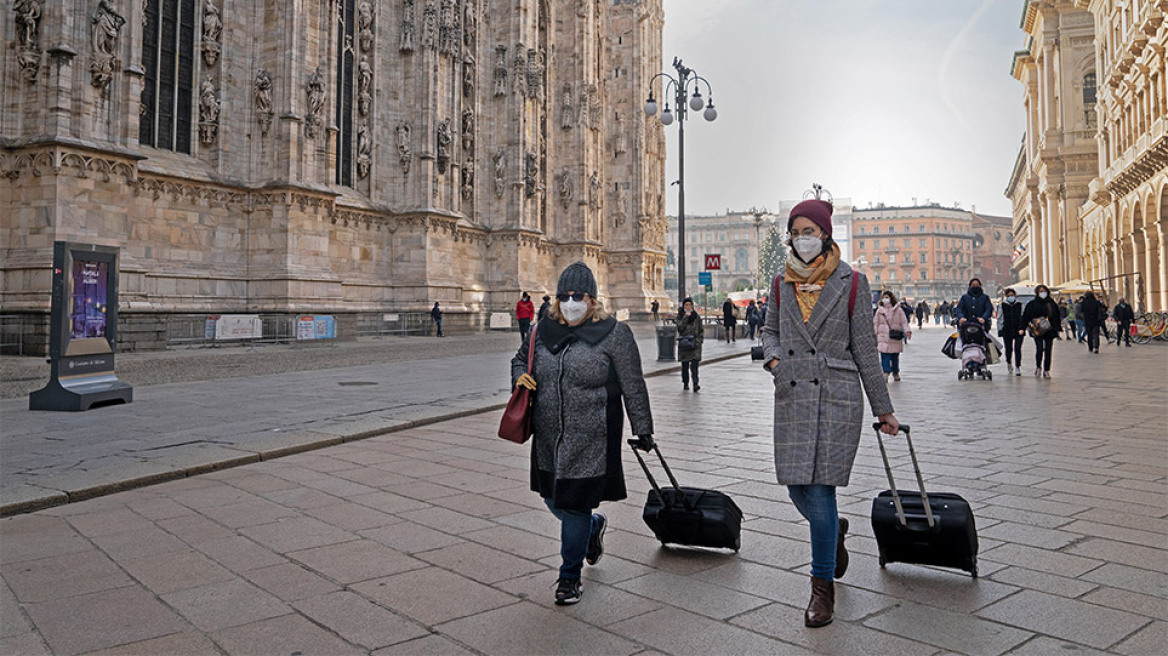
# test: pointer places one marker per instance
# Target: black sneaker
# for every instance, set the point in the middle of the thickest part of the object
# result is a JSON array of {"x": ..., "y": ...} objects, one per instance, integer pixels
[
  {"x": 596, "y": 541},
  {"x": 568, "y": 591},
  {"x": 841, "y": 552}
]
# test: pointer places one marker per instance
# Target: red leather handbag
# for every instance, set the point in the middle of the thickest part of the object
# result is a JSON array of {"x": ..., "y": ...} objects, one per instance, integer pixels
[{"x": 515, "y": 426}]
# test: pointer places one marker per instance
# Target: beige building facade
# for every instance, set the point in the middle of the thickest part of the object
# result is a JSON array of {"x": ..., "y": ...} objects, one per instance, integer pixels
[
  {"x": 1090, "y": 184},
  {"x": 347, "y": 157}
]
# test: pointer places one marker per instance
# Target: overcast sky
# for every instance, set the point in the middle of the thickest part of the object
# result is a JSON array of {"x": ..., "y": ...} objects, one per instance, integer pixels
[{"x": 878, "y": 100}]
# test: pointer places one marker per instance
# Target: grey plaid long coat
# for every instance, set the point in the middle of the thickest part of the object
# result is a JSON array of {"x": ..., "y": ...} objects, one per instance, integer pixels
[{"x": 819, "y": 412}]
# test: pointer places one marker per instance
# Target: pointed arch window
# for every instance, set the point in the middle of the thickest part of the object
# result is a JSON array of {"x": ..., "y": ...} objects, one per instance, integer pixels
[
  {"x": 1089, "y": 100},
  {"x": 346, "y": 34},
  {"x": 168, "y": 59}
]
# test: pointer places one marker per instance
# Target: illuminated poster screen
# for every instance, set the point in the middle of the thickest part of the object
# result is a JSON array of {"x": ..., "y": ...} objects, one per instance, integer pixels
[{"x": 87, "y": 312}]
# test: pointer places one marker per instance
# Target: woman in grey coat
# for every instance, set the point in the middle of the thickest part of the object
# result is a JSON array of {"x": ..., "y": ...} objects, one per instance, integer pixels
[
  {"x": 819, "y": 348},
  {"x": 690, "y": 336},
  {"x": 586, "y": 363}
]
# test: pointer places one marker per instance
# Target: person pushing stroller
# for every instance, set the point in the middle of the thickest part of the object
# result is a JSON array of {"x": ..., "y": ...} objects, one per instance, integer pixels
[{"x": 972, "y": 343}]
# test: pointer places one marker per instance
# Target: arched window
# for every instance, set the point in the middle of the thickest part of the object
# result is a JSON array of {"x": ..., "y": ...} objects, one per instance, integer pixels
[
  {"x": 168, "y": 59},
  {"x": 741, "y": 260},
  {"x": 346, "y": 35},
  {"x": 1089, "y": 100}
]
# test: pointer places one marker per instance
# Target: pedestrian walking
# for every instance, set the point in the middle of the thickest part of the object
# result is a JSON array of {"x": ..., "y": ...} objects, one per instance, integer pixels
[
  {"x": 436, "y": 315},
  {"x": 1124, "y": 316},
  {"x": 656, "y": 307},
  {"x": 1080, "y": 320},
  {"x": 893, "y": 329},
  {"x": 941, "y": 311},
  {"x": 1092, "y": 310},
  {"x": 690, "y": 336},
  {"x": 1072, "y": 323},
  {"x": 543, "y": 308},
  {"x": 1103, "y": 314},
  {"x": 922, "y": 313},
  {"x": 818, "y": 351},
  {"x": 1012, "y": 331},
  {"x": 975, "y": 305},
  {"x": 730, "y": 321},
  {"x": 524, "y": 313},
  {"x": 1064, "y": 312},
  {"x": 586, "y": 363},
  {"x": 1042, "y": 307},
  {"x": 907, "y": 309},
  {"x": 752, "y": 322}
]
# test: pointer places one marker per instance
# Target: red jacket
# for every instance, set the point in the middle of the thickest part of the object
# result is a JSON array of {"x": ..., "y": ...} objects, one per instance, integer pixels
[{"x": 524, "y": 310}]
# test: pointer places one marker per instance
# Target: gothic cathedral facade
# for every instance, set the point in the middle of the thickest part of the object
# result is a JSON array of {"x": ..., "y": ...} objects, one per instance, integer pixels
[{"x": 346, "y": 157}]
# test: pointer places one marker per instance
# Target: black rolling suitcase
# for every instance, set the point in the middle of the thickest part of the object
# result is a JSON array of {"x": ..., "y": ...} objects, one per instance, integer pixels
[
  {"x": 922, "y": 528},
  {"x": 690, "y": 516}
]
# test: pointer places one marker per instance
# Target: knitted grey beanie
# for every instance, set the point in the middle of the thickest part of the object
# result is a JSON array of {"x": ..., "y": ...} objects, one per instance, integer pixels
[{"x": 577, "y": 278}]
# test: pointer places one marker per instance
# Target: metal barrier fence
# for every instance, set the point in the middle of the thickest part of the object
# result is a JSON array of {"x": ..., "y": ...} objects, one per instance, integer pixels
[
  {"x": 193, "y": 330},
  {"x": 397, "y": 324},
  {"x": 12, "y": 334}
]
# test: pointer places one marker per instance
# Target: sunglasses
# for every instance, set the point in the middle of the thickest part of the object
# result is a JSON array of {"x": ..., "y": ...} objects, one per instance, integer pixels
[{"x": 563, "y": 298}]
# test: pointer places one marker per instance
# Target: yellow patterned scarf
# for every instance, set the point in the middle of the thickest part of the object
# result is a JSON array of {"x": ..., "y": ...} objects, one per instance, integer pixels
[{"x": 809, "y": 278}]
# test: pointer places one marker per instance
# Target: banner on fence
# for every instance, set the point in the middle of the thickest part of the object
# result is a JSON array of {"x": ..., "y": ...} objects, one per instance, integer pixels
[
  {"x": 316, "y": 327},
  {"x": 238, "y": 326}
]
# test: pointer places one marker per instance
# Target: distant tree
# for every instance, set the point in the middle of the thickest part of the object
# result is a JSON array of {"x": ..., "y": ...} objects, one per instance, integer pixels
[{"x": 773, "y": 257}]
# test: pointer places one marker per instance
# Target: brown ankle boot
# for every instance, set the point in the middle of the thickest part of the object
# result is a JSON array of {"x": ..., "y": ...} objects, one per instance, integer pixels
[{"x": 821, "y": 608}]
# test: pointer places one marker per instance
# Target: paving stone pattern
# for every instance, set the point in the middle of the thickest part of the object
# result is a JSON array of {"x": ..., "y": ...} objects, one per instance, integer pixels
[{"x": 428, "y": 541}]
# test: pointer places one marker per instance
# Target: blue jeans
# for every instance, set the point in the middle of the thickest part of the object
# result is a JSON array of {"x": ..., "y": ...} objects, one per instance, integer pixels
[
  {"x": 817, "y": 505},
  {"x": 890, "y": 363},
  {"x": 1081, "y": 329},
  {"x": 576, "y": 527}
]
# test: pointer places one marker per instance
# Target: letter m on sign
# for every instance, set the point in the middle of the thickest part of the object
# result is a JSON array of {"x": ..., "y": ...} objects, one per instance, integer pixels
[{"x": 713, "y": 262}]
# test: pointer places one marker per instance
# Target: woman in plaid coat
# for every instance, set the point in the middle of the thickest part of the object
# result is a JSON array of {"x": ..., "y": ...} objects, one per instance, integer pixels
[{"x": 819, "y": 347}]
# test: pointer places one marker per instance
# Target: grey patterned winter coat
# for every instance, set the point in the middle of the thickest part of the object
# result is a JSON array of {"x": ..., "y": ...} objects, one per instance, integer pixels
[
  {"x": 691, "y": 326},
  {"x": 819, "y": 411},
  {"x": 581, "y": 376}
]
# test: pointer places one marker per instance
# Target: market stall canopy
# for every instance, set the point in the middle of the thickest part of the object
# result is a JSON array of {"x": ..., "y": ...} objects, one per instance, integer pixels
[{"x": 1075, "y": 285}]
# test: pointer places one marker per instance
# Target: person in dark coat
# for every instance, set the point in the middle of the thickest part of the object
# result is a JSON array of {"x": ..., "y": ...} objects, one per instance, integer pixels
[
  {"x": 730, "y": 321},
  {"x": 1103, "y": 314},
  {"x": 586, "y": 364},
  {"x": 1091, "y": 309},
  {"x": 690, "y": 336},
  {"x": 655, "y": 306},
  {"x": 818, "y": 350},
  {"x": 941, "y": 312},
  {"x": 1012, "y": 331},
  {"x": 1124, "y": 316},
  {"x": 974, "y": 305},
  {"x": 543, "y": 308},
  {"x": 436, "y": 315},
  {"x": 907, "y": 309},
  {"x": 1043, "y": 306},
  {"x": 752, "y": 321},
  {"x": 922, "y": 311}
]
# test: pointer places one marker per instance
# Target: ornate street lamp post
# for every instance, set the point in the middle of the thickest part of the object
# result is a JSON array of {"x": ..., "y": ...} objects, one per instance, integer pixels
[
  {"x": 680, "y": 85},
  {"x": 758, "y": 216}
]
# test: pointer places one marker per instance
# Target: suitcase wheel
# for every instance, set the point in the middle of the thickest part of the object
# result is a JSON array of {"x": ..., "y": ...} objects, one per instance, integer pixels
[
  {"x": 882, "y": 561},
  {"x": 737, "y": 544}
]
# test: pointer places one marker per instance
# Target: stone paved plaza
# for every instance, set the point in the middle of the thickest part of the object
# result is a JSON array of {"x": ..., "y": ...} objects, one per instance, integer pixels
[{"x": 427, "y": 540}]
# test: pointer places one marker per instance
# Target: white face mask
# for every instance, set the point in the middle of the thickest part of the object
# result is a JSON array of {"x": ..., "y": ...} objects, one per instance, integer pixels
[
  {"x": 1042, "y": 295},
  {"x": 808, "y": 248},
  {"x": 886, "y": 301},
  {"x": 1010, "y": 300},
  {"x": 573, "y": 311}
]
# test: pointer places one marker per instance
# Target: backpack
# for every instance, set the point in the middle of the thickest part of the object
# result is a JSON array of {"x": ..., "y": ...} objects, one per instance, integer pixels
[{"x": 851, "y": 294}]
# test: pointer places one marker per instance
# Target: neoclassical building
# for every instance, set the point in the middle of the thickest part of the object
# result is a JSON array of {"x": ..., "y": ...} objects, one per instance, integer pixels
[
  {"x": 1090, "y": 185},
  {"x": 346, "y": 157}
]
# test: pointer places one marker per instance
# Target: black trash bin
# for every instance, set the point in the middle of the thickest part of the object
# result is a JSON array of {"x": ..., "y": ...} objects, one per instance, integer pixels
[{"x": 666, "y": 341}]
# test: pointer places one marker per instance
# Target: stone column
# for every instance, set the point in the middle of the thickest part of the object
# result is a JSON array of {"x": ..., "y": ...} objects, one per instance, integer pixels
[{"x": 1163, "y": 266}]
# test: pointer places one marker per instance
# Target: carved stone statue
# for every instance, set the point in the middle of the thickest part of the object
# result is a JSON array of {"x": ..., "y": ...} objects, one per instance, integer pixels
[
  {"x": 212, "y": 33},
  {"x": 445, "y": 135},
  {"x": 315, "y": 90},
  {"x": 208, "y": 111},
  {"x": 531, "y": 174},
  {"x": 622, "y": 205},
  {"x": 107, "y": 25},
  {"x": 620, "y": 139},
  {"x": 535, "y": 69},
  {"x": 405, "y": 151},
  {"x": 500, "y": 70},
  {"x": 364, "y": 85},
  {"x": 447, "y": 38},
  {"x": 519, "y": 72},
  {"x": 594, "y": 108},
  {"x": 583, "y": 111},
  {"x": 594, "y": 190},
  {"x": 468, "y": 128},
  {"x": 364, "y": 151},
  {"x": 468, "y": 76},
  {"x": 567, "y": 113},
  {"x": 470, "y": 25},
  {"x": 468, "y": 178},
  {"x": 263, "y": 99},
  {"x": 567, "y": 188},
  {"x": 28, "y": 35},
  {"x": 365, "y": 25},
  {"x": 500, "y": 166},
  {"x": 430, "y": 25},
  {"x": 406, "y": 37}
]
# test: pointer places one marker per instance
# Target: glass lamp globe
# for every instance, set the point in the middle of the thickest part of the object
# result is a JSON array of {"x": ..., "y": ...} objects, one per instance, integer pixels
[
  {"x": 695, "y": 102},
  {"x": 667, "y": 117},
  {"x": 650, "y": 107},
  {"x": 710, "y": 114}
]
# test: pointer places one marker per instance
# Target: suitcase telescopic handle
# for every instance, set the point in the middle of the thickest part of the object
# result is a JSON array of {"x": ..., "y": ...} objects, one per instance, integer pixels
[
  {"x": 652, "y": 481},
  {"x": 904, "y": 428}
]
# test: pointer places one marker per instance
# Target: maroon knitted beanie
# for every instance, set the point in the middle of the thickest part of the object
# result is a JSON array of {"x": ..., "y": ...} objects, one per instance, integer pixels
[{"x": 817, "y": 210}]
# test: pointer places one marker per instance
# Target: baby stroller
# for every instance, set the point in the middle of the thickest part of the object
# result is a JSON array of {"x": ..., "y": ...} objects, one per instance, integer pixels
[{"x": 972, "y": 344}]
